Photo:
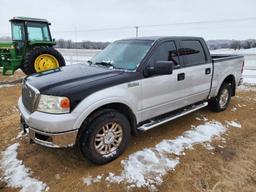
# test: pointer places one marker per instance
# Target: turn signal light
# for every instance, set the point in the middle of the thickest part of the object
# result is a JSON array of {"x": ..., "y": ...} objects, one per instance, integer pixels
[{"x": 65, "y": 103}]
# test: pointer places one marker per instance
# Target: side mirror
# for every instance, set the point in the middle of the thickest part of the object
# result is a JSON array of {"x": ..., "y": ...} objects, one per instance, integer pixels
[{"x": 159, "y": 68}]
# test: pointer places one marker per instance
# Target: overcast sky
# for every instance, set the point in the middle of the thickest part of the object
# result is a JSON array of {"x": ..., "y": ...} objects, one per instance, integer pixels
[{"x": 79, "y": 19}]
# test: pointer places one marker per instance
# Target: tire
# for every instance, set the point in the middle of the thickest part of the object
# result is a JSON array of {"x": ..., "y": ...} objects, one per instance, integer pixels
[
  {"x": 28, "y": 66},
  {"x": 91, "y": 148},
  {"x": 222, "y": 100}
]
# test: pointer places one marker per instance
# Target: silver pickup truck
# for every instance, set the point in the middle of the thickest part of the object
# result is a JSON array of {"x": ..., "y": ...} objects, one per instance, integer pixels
[{"x": 131, "y": 86}]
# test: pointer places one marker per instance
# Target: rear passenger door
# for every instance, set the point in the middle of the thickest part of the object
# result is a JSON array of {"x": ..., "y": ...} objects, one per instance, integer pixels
[{"x": 197, "y": 69}]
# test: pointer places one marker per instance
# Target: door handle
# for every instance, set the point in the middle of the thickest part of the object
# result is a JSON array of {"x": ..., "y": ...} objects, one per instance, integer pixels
[
  {"x": 181, "y": 76},
  {"x": 208, "y": 71}
]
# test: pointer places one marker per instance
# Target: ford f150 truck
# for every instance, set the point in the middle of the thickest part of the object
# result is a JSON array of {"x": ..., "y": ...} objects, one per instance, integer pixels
[{"x": 131, "y": 86}]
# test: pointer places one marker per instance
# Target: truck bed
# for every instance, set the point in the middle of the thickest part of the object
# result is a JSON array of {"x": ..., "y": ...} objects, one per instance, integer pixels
[{"x": 224, "y": 57}]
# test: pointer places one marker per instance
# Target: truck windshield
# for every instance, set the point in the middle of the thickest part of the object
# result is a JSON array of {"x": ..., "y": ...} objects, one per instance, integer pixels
[{"x": 124, "y": 54}]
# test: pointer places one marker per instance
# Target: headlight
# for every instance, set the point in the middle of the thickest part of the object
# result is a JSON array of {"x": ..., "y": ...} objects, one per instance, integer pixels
[{"x": 53, "y": 104}]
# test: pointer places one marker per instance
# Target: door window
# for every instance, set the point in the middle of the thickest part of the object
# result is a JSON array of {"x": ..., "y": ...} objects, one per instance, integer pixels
[
  {"x": 192, "y": 52},
  {"x": 167, "y": 51}
]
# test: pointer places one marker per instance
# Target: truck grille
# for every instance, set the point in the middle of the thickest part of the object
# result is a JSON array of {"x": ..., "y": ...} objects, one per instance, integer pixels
[{"x": 29, "y": 97}]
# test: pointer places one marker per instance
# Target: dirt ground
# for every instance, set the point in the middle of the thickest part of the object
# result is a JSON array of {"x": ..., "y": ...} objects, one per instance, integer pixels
[{"x": 231, "y": 166}]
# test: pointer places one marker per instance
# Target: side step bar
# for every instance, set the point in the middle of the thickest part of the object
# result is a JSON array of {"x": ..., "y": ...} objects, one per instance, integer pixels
[{"x": 160, "y": 121}]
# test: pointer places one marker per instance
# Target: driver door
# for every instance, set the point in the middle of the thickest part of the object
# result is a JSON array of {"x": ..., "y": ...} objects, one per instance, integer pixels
[{"x": 163, "y": 93}]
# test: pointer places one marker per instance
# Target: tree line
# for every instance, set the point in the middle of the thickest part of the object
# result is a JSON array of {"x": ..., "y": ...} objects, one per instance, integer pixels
[
  {"x": 68, "y": 44},
  {"x": 212, "y": 44},
  {"x": 231, "y": 44}
]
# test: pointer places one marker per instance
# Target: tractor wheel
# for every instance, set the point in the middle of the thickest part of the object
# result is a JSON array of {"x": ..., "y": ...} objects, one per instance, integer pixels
[{"x": 41, "y": 59}]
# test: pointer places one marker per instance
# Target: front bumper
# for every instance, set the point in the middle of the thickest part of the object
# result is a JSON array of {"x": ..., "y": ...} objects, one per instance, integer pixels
[
  {"x": 57, "y": 140},
  {"x": 55, "y": 131}
]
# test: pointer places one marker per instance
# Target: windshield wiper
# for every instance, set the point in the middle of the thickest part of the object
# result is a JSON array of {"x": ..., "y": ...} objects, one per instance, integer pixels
[{"x": 104, "y": 63}]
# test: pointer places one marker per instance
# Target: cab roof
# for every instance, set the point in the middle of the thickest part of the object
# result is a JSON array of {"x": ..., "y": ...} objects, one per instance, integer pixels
[
  {"x": 157, "y": 38},
  {"x": 28, "y": 19}
]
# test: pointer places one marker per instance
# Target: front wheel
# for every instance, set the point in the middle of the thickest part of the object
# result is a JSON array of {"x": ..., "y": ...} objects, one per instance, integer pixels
[
  {"x": 105, "y": 138},
  {"x": 221, "y": 101}
]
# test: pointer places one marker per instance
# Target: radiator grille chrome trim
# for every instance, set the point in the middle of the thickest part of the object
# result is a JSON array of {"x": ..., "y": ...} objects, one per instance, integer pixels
[{"x": 30, "y": 97}]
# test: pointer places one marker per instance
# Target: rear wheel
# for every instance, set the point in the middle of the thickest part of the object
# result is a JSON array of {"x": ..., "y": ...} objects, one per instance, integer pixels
[
  {"x": 105, "y": 138},
  {"x": 41, "y": 59},
  {"x": 221, "y": 101}
]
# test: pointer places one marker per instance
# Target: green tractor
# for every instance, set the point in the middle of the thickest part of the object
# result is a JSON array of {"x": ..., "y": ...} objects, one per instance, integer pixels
[{"x": 31, "y": 48}]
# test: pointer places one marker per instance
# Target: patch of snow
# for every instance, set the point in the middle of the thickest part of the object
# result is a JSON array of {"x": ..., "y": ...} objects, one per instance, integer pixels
[
  {"x": 15, "y": 109},
  {"x": 234, "y": 109},
  {"x": 223, "y": 140},
  {"x": 146, "y": 168},
  {"x": 249, "y": 76},
  {"x": 16, "y": 174},
  {"x": 251, "y": 81},
  {"x": 90, "y": 180},
  {"x": 201, "y": 118},
  {"x": 234, "y": 124},
  {"x": 112, "y": 178},
  {"x": 57, "y": 176},
  {"x": 208, "y": 146},
  {"x": 246, "y": 87},
  {"x": 97, "y": 179},
  {"x": 20, "y": 134},
  {"x": 87, "y": 180},
  {"x": 6, "y": 85}
]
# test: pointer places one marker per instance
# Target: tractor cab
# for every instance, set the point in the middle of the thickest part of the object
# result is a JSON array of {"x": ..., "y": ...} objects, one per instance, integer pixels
[
  {"x": 31, "y": 48},
  {"x": 29, "y": 31}
]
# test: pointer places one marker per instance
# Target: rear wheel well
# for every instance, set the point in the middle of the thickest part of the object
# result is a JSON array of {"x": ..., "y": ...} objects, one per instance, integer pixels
[
  {"x": 231, "y": 81},
  {"x": 121, "y": 108}
]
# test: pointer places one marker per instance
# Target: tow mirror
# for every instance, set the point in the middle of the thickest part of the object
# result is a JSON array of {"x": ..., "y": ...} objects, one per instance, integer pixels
[{"x": 159, "y": 68}]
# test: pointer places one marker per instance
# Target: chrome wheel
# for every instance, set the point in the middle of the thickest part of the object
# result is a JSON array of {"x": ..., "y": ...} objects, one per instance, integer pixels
[
  {"x": 108, "y": 138},
  {"x": 224, "y": 98}
]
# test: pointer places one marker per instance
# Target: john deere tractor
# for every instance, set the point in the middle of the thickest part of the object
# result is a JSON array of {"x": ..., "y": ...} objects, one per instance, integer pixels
[{"x": 31, "y": 48}]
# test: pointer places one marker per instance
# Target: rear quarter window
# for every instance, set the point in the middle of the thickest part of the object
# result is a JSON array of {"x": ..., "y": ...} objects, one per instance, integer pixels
[{"x": 192, "y": 52}]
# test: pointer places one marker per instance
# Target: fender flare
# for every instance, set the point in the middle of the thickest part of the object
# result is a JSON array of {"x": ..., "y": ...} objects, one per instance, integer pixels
[
  {"x": 98, "y": 104},
  {"x": 222, "y": 80}
]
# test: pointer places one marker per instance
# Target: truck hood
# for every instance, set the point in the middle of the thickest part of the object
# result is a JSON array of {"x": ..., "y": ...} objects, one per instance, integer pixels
[
  {"x": 69, "y": 77},
  {"x": 78, "y": 81}
]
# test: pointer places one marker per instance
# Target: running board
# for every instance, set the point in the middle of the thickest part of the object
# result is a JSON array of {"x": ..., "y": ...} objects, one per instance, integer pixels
[{"x": 160, "y": 121}]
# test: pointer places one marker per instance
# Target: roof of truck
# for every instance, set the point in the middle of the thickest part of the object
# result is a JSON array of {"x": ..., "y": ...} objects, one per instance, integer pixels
[
  {"x": 155, "y": 38},
  {"x": 29, "y": 19}
]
